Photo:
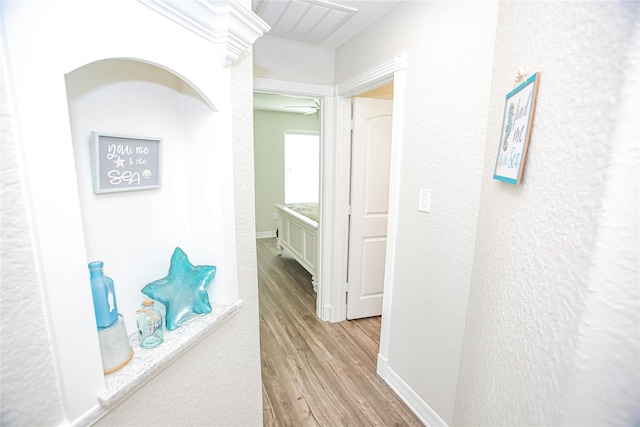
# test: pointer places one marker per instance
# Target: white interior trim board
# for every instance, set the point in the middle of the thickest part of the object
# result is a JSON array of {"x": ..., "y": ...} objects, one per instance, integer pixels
[
  {"x": 394, "y": 197},
  {"x": 373, "y": 78},
  {"x": 265, "y": 234},
  {"x": 285, "y": 87},
  {"x": 419, "y": 407}
]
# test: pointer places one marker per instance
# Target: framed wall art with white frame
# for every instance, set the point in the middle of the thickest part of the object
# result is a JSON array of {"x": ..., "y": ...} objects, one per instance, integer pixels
[{"x": 125, "y": 163}]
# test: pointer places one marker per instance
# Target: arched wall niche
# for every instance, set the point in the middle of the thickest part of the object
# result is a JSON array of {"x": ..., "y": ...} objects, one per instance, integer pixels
[
  {"x": 118, "y": 66},
  {"x": 50, "y": 47},
  {"x": 135, "y": 232}
]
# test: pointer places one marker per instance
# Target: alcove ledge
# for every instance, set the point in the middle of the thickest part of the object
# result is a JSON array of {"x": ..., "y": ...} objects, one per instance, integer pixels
[{"x": 147, "y": 363}]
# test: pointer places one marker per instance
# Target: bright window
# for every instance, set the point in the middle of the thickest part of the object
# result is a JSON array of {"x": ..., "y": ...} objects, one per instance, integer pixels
[{"x": 302, "y": 167}]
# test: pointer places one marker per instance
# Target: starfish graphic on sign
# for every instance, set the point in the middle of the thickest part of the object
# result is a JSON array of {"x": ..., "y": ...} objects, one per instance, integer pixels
[{"x": 184, "y": 291}]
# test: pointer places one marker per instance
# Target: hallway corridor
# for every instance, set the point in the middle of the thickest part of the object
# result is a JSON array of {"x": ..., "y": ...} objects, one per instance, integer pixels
[{"x": 316, "y": 373}]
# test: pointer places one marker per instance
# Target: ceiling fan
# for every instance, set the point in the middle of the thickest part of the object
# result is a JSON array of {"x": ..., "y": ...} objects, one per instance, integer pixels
[{"x": 306, "y": 109}]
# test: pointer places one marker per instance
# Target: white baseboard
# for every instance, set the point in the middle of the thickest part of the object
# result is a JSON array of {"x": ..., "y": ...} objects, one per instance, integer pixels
[
  {"x": 419, "y": 407},
  {"x": 326, "y": 313},
  {"x": 381, "y": 368},
  {"x": 265, "y": 234}
]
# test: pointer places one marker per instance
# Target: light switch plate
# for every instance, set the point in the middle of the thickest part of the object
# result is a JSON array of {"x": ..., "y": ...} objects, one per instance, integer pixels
[{"x": 424, "y": 201}]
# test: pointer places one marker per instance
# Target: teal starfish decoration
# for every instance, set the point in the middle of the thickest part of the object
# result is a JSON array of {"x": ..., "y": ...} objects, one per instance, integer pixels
[{"x": 184, "y": 291}]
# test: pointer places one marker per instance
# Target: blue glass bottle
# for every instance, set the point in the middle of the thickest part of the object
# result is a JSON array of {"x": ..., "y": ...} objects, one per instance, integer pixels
[{"x": 104, "y": 296}]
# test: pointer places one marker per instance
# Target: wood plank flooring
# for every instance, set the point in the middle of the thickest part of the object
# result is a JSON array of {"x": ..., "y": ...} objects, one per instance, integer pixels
[{"x": 316, "y": 373}]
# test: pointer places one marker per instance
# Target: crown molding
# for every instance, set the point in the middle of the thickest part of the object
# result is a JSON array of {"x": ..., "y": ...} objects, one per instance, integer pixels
[
  {"x": 225, "y": 23},
  {"x": 286, "y": 87},
  {"x": 373, "y": 78}
]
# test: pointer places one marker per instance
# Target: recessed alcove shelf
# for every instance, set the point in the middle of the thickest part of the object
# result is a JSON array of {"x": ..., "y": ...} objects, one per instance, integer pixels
[
  {"x": 133, "y": 73},
  {"x": 146, "y": 363}
]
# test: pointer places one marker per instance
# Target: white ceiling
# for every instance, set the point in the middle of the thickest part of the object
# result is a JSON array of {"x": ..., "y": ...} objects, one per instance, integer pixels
[{"x": 319, "y": 22}]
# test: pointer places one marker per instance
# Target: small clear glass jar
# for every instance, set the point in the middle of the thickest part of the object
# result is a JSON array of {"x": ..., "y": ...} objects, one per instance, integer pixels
[{"x": 150, "y": 325}]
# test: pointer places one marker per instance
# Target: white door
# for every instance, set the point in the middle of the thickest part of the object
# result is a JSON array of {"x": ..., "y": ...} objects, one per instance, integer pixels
[{"x": 370, "y": 163}]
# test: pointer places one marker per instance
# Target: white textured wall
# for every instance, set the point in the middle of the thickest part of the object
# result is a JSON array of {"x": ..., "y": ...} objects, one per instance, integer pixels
[
  {"x": 218, "y": 382},
  {"x": 29, "y": 393},
  {"x": 283, "y": 59},
  {"x": 545, "y": 294},
  {"x": 269, "y": 128},
  {"x": 604, "y": 382},
  {"x": 227, "y": 377},
  {"x": 449, "y": 48}
]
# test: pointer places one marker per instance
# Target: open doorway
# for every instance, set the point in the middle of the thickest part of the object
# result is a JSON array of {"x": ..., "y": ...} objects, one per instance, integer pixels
[
  {"x": 287, "y": 174},
  {"x": 315, "y": 371},
  {"x": 392, "y": 71},
  {"x": 278, "y": 119},
  {"x": 335, "y": 118},
  {"x": 371, "y": 135}
]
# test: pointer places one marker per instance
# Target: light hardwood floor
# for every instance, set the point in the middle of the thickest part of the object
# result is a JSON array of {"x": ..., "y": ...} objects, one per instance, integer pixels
[{"x": 317, "y": 373}]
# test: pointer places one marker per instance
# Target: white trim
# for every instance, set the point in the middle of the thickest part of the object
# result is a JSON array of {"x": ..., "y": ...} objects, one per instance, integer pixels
[
  {"x": 383, "y": 364},
  {"x": 373, "y": 78},
  {"x": 394, "y": 199},
  {"x": 326, "y": 313},
  {"x": 227, "y": 24},
  {"x": 325, "y": 265},
  {"x": 265, "y": 234},
  {"x": 340, "y": 239},
  {"x": 285, "y": 87},
  {"x": 301, "y": 132},
  {"x": 419, "y": 407}
]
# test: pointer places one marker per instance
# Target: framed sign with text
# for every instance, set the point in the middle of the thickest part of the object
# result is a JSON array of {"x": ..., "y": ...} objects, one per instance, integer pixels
[
  {"x": 516, "y": 130},
  {"x": 125, "y": 163}
]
